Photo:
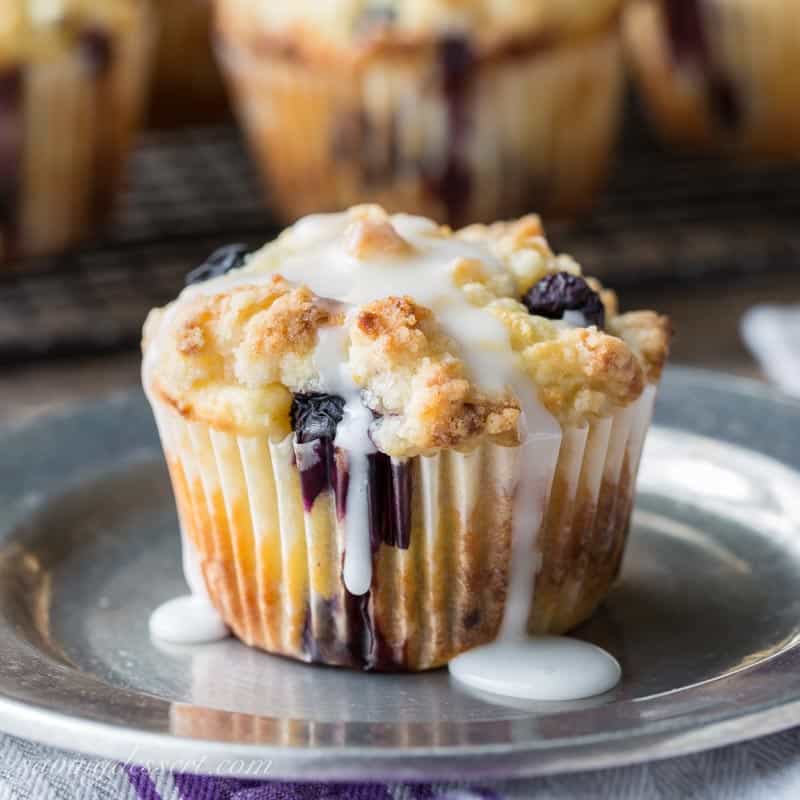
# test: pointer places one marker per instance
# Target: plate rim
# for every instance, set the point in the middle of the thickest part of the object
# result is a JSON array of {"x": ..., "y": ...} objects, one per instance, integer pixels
[{"x": 476, "y": 761}]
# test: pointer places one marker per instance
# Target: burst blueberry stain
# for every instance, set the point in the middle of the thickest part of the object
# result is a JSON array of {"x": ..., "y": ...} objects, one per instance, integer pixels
[
  {"x": 314, "y": 420},
  {"x": 687, "y": 32},
  {"x": 691, "y": 44},
  {"x": 219, "y": 263},
  {"x": 562, "y": 291},
  {"x": 389, "y": 502},
  {"x": 12, "y": 81},
  {"x": 451, "y": 181},
  {"x": 97, "y": 50}
]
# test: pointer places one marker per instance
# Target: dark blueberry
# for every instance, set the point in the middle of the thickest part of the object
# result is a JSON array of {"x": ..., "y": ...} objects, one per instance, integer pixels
[
  {"x": 555, "y": 294},
  {"x": 315, "y": 416},
  {"x": 219, "y": 263},
  {"x": 97, "y": 50}
]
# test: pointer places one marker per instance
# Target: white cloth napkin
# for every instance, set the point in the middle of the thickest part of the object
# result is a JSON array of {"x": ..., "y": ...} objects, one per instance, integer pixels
[
  {"x": 764, "y": 769},
  {"x": 772, "y": 333}
]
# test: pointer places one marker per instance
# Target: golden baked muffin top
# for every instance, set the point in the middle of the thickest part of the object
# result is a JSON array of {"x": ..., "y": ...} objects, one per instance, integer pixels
[
  {"x": 41, "y": 28},
  {"x": 446, "y": 336},
  {"x": 360, "y": 25}
]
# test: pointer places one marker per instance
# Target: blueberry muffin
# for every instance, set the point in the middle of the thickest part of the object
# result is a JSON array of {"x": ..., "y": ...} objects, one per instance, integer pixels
[
  {"x": 365, "y": 419},
  {"x": 187, "y": 85},
  {"x": 719, "y": 74},
  {"x": 72, "y": 82},
  {"x": 465, "y": 111}
]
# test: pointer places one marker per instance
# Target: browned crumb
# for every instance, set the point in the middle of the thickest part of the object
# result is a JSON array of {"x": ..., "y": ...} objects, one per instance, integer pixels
[
  {"x": 649, "y": 334},
  {"x": 367, "y": 238}
]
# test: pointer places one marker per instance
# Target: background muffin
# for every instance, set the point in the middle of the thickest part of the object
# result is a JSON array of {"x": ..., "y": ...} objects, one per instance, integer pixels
[
  {"x": 353, "y": 464},
  {"x": 187, "y": 85},
  {"x": 720, "y": 74},
  {"x": 465, "y": 111},
  {"x": 72, "y": 84}
]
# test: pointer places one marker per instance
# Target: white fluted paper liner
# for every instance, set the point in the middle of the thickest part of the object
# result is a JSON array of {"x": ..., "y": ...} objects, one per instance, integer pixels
[
  {"x": 273, "y": 570},
  {"x": 539, "y": 130}
]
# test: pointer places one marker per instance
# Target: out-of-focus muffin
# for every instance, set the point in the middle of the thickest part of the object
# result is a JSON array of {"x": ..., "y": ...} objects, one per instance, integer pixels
[
  {"x": 72, "y": 86},
  {"x": 720, "y": 74},
  {"x": 187, "y": 85},
  {"x": 463, "y": 110},
  {"x": 383, "y": 435}
]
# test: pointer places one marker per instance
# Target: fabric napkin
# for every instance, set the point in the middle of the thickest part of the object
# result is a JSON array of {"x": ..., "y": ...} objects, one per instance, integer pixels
[
  {"x": 772, "y": 333},
  {"x": 764, "y": 769}
]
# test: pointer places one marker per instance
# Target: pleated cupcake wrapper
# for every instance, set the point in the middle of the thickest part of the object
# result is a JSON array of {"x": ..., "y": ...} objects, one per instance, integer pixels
[
  {"x": 515, "y": 132},
  {"x": 738, "y": 91},
  {"x": 69, "y": 125},
  {"x": 270, "y": 555}
]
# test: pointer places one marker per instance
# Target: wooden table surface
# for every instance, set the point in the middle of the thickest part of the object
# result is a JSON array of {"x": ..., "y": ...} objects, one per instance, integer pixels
[{"x": 706, "y": 319}]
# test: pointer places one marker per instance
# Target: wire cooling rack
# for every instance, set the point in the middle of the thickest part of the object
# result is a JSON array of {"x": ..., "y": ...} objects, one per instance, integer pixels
[{"x": 664, "y": 218}]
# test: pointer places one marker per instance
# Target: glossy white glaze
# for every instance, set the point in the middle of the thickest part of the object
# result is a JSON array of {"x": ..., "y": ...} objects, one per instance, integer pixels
[
  {"x": 548, "y": 668},
  {"x": 190, "y": 619},
  {"x": 352, "y": 437}
]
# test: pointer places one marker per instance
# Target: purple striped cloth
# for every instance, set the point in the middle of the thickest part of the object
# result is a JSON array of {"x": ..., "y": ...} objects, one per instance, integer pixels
[
  {"x": 764, "y": 769},
  {"x": 205, "y": 787}
]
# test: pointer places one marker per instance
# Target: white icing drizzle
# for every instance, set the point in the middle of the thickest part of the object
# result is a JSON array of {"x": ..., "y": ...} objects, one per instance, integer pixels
[
  {"x": 189, "y": 619},
  {"x": 352, "y": 436},
  {"x": 545, "y": 668},
  {"x": 538, "y": 456},
  {"x": 550, "y": 668},
  {"x": 314, "y": 254},
  {"x": 575, "y": 319}
]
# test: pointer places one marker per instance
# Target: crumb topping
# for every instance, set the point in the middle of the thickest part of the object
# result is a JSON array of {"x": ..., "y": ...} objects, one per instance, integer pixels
[
  {"x": 352, "y": 28},
  {"x": 44, "y": 28},
  {"x": 434, "y": 334}
]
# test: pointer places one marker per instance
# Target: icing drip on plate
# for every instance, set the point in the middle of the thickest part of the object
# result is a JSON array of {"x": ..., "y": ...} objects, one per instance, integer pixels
[
  {"x": 549, "y": 668},
  {"x": 189, "y": 619}
]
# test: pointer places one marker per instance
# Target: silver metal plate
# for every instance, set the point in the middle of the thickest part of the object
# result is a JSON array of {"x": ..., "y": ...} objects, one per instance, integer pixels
[{"x": 705, "y": 619}]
